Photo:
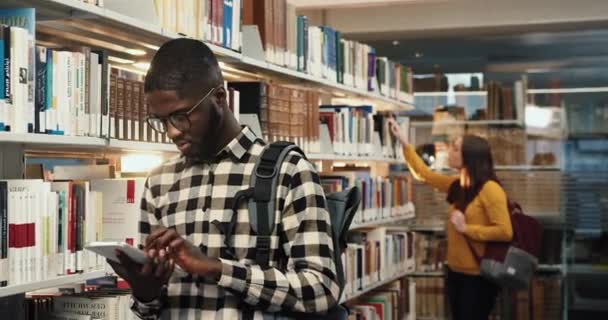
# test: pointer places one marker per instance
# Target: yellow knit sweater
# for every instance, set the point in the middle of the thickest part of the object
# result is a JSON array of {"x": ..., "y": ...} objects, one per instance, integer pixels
[{"x": 487, "y": 216}]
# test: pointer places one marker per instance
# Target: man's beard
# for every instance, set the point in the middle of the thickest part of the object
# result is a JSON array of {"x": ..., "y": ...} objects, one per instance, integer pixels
[{"x": 208, "y": 149}]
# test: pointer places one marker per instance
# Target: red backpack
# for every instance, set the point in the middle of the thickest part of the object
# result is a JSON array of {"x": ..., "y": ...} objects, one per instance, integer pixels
[{"x": 512, "y": 264}]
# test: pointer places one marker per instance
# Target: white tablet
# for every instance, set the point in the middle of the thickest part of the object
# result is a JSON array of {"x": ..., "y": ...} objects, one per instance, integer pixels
[{"x": 108, "y": 250}]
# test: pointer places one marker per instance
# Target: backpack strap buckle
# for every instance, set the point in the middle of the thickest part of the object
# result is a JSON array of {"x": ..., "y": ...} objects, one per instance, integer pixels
[{"x": 262, "y": 251}]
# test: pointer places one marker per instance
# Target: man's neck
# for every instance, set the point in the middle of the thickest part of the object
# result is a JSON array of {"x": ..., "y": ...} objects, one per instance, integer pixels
[{"x": 230, "y": 130}]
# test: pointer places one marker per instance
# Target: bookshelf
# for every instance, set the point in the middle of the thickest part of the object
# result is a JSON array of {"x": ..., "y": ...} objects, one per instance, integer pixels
[
  {"x": 82, "y": 23},
  {"x": 50, "y": 283},
  {"x": 387, "y": 221},
  {"x": 47, "y": 140},
  {"x": 360, "y": 293},
  {"x": 108, "y": 22}
]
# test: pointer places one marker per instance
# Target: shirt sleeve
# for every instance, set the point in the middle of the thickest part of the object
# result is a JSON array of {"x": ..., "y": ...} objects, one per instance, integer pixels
[
  {"x": 149, "y": 310},
  {"x": 309, "y": 281},
  {"x": 422, "y": 172},
  {"x": 494, "y": 201}
]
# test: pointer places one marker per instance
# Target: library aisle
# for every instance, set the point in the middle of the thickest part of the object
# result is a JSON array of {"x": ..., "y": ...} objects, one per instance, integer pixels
[{"x": 331, "y": 77}]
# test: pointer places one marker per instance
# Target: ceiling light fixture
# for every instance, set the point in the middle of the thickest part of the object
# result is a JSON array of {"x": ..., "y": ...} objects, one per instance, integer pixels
[{"x": 395, "y": 42}]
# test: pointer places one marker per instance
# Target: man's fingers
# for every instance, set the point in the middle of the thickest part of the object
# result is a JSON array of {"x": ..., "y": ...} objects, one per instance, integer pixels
[
  {"x": 118, "y": 268},
  {"x": 169, "y": 271},
  {"x": 164, "y": 240},
  {"x": 176, "y": 244},
  {"x": 154, "y": 235},
  {"x": 161, "y": 267},
  {"x": 147, "y": 268},
  {"x": 129, "y": 265}
]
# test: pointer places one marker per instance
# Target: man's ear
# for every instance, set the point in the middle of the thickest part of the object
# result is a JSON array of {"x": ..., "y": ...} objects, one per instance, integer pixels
[{"x": 221, "y": 97}]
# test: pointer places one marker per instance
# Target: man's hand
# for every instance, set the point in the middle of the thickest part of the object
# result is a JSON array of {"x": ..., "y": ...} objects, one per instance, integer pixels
[
  {"x": 457, "y": 219},
  {"x": 145, "y": 280},
  {"x": 166, "y": 243}
]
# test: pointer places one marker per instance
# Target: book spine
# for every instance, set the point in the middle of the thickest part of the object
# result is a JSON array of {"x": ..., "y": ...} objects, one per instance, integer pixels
[
  {"x": 41, "y": 95},
  {"x": 128, "y": 111},
  {"x": 4, "y": 236},
  {"x": 8, "y": 98},
  {"x": 227, "y": 23},
  {"x": 120, "y": 108}
]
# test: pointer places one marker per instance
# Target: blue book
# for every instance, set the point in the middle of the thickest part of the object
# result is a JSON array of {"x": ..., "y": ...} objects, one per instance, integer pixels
[
  {"x": 25, "y": 18},
  {"x": 227, "y": 28},
  {"x": 49, "y": 86}
]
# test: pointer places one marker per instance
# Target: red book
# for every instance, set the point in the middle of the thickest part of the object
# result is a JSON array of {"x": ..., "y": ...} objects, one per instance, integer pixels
[{"x": 328, "y": 118}]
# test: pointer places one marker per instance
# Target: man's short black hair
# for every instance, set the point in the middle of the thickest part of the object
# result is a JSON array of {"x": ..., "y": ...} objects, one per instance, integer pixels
[{"x": 185, "y": 65}]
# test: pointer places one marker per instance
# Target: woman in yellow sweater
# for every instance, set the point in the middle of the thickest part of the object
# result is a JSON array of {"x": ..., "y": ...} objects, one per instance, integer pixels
[{"x": 478, "y": 212}]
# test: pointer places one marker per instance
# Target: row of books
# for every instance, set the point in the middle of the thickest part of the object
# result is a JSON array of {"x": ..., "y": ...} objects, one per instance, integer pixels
[
  {"x": 430, "y": 298},
  {"x": 17, "y": 49},
  {"x": 288, "y": 40},
  {"x": 359, "y": 130},
  {"x": 543, "y": 301},
  {"x": 375, "y": 255},
  {"x": 430, "y": 251},
  {"x": 382, "y": 197},
  {"x": 104, "y": 304},
  {"x": 45, "y": 225},
  {"x": 215, "y": 21},
  {"x": 98, "y": 3},
  {"x": 285, "y": 112},
  {"x": 392, "y": 302},
  {"x": 44, "y": 228}
]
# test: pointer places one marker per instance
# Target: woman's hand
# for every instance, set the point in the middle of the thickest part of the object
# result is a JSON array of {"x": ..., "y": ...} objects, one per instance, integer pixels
[
  {"x": 396, "y": 131},
  {"x": 457, "y": 219}
]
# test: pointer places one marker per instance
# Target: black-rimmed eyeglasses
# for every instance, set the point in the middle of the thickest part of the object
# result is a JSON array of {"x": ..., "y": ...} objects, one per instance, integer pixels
[{"x": 180, "y": 120}]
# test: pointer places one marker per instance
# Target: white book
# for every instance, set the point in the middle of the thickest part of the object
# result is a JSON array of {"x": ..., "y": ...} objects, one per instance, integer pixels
[
  {"x": 237, "y": 104},
  {"x": 90, "y": 233},
  {"x": 83, "y": 116},
  {"x": 51, "y": 254},
  {"x": 236, "y": 25},
  {"x": 19, "y": 113},
  {"x": 121, "y": 213}
]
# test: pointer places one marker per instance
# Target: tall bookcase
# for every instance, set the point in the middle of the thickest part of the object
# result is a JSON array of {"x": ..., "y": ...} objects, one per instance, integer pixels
[{"x": 73, "y": 22}]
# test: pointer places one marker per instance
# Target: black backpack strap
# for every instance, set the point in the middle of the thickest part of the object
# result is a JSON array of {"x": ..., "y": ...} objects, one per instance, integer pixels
[{"x": 264, "y": 182}]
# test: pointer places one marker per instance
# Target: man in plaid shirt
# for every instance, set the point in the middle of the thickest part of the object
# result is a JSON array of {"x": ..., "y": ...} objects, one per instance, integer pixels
[{"x": 188, "y": 201}]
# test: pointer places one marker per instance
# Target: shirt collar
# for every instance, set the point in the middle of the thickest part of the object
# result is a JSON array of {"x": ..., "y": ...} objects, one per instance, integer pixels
[{"x": 238, "y": 147}]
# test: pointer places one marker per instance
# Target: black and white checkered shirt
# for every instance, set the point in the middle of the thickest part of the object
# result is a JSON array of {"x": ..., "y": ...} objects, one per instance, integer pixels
[{"x": 197, "y": 199}]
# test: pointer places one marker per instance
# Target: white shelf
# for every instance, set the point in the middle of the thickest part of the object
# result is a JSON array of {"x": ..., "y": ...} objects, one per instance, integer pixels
[
  {"x": 56, "y": 282},
  {"x": 374, "y": 286},
  {"x": 426, "y": 274},
  {"x": 110, "y": 19},
  {"x": 465, "y": 122},
  {"x": 568, "y": 90},
  {"x": 527, "y": 168},
  {"x": 455, "y": 93},
  {"x": 423, "y": 228},
  {"x": 380, "y": 222},
  {"x": 141, "y": 146},
  {"x": 339, "y": 157},
  {"x": 51, "y": 140}
]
